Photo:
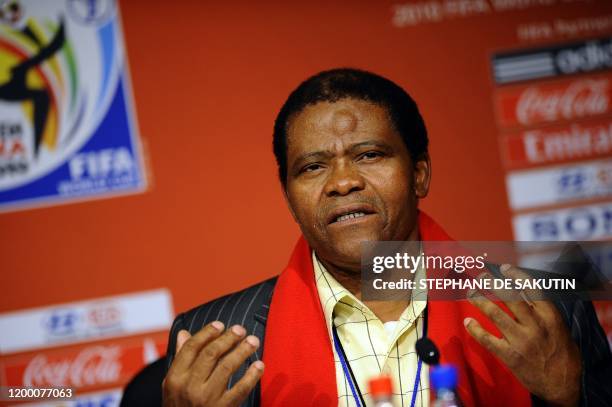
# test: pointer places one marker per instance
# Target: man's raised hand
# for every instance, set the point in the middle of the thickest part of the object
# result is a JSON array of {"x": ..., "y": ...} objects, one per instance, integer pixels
[
  {"x": 204, "y": 363},
  {"x": 536, "y": 345}
]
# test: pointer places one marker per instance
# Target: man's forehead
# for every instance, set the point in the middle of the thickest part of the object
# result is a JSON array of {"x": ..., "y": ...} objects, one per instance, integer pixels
[
  {"x": 342, "y": 118},
  {"x": 343, "y": 121}
]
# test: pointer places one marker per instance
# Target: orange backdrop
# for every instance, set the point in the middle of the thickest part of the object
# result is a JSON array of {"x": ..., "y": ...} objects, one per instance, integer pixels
[{"x": 208, "y": 80}]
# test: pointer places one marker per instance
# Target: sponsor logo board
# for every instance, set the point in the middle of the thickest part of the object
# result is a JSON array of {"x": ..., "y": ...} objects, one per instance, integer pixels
[
  {"x": 63, "y": 324},
  {"x": 560, "y": 101},
  {"x": 84, "y": 367},
  {"x": 109, "y": 398},
  {"x": 590, "y": 222},
  {"x": 556, "y": 185},
  {"x": 576, "y": 141},
  {"x": 567, "y": 59}
]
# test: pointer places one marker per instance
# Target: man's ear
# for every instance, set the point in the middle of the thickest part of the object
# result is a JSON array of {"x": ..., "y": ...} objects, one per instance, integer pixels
[
  {"x": 422, "y": 176},
  {"x": 289, "y": 204}
]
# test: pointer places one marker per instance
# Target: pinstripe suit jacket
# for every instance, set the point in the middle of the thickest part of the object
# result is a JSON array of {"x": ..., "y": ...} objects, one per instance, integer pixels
[{"x": 249, "y": 308}]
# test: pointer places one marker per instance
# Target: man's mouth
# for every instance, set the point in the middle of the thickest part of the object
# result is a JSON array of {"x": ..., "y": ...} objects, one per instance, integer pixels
[
  {"x": 350, "y": 213},
  {"x": 348, "y": 216}
]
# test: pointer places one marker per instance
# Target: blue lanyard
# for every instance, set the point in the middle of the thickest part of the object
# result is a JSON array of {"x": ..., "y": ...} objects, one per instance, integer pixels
[
  {"x": 348, "y": 373},
  {"x": 350, "y": 378}
]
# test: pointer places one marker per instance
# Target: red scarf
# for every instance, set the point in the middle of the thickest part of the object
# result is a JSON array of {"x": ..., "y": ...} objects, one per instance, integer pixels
[{"x": 298, "y": 355}]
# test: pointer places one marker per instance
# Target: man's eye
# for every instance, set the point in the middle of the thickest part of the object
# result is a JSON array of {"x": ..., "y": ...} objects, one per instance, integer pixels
[
  {"x": 311, "y": 168},
  {"x": 371, "y": 155}
]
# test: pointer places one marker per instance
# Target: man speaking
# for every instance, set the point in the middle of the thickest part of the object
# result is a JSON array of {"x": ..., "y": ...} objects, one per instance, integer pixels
[{"x": 352, "y": 155}]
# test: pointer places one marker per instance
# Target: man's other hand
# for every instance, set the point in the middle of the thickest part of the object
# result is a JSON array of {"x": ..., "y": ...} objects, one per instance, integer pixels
[
  {"x": 204, "y": 363},
  {"x": 536, "y": 345}
]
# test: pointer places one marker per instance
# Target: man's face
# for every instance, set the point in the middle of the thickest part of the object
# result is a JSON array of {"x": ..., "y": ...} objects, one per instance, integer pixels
[{"x": 350, "y": 179}]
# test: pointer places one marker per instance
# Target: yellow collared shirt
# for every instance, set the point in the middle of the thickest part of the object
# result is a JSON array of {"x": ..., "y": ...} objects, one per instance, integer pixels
[{"x": 370, "y": 350}]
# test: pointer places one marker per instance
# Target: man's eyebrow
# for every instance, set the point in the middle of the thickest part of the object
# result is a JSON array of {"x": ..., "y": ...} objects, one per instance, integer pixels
[
  {"x": 370, "y": 143},
  {"x": 353, "y": 147},
  {"x": 312, "y": 154}
]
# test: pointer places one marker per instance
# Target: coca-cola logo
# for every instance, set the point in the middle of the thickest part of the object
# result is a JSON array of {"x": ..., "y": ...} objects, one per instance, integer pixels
[
  {"x": 580, "y": 99},
  {"x": 94, "y": 365}
]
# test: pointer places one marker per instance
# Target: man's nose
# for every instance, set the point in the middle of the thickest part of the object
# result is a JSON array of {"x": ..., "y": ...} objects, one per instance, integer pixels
[{"x": 344, "y": 179}]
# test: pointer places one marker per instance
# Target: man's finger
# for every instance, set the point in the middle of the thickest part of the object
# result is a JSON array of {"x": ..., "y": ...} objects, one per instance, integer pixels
[
  {"x": 506, "y": 324},
  {"x": 514, "y": 301},
  {"x": 182, "y": 337},
  {"x": 232, "y": 361},
  {"x": 516, "y": 273},
  {"x": 190, "y": 348},
  {"x": 534, "y": 298},
  {"x": 239, "y": 392},
  {"x": 492, "y": 343},
  {"x": 210, "y": 354},
  {"x": 502, "y": 294}
]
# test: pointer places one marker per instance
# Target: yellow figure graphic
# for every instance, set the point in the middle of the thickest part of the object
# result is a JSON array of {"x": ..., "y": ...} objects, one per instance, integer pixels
[{"x": 16, "y": 88}]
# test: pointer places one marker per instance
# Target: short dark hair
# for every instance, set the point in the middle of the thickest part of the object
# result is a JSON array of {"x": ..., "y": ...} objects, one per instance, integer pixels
[{"x": 336, "y": 84}]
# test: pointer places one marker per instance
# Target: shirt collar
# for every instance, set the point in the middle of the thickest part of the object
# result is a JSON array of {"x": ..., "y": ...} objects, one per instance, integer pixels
[{"x": 340, "y": 305}]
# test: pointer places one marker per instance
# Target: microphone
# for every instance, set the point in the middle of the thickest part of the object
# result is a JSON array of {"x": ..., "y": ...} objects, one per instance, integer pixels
[{"x": 427, "y": 351}]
